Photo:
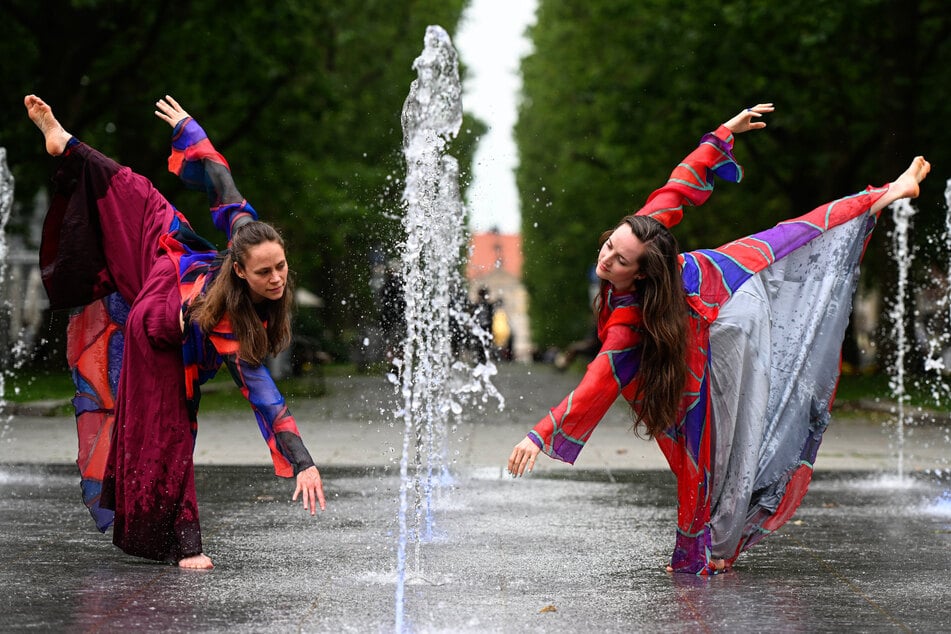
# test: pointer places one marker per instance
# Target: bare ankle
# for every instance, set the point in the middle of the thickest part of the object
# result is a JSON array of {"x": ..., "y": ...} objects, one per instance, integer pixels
[{"x": 56, "y": 144}]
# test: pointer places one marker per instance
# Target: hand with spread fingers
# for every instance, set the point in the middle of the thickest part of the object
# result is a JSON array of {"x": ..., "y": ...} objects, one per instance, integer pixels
[
  {"x": 169, "y": 111},
  {"x": 746, "y": 120}
]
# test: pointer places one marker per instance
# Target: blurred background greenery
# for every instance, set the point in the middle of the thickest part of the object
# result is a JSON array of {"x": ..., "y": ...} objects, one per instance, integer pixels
[
  {"x": 618, "y": 92},
  {"x": 304, "y": 99}
]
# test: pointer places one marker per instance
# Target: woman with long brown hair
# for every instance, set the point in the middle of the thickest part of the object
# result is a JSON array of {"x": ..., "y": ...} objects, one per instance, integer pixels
[
  {"x": 728, "y": 357},
  {"x": 157, "y": 311}
]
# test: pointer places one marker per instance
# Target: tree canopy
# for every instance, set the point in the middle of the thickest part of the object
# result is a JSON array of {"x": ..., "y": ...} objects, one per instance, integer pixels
[
  {"x": 616, "y": 93},
  {"x": 303, "y": 98}
]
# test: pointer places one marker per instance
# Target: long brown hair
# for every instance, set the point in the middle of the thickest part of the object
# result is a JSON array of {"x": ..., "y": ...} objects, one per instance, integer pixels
[
  {"x": 229, "y": 294},
  {"x": 663, "y": 370}
]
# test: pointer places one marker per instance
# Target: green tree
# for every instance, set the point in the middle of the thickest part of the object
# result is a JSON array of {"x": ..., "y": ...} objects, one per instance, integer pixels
[
  {"x": 616, "y": 93},
  {"x": 303, "y": 98}
]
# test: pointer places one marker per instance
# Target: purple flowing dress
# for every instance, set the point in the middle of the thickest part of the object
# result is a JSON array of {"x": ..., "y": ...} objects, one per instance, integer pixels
[{"x": 128, "y": 263}]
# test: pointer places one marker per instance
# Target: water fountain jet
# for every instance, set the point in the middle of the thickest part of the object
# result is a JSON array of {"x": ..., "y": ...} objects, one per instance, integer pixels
[
  {"x": 432, "y": 384},
  {"x": 902, "y": 212},
  {"x": 6, "y": 206},
  {"x": 930, "y": 347}
]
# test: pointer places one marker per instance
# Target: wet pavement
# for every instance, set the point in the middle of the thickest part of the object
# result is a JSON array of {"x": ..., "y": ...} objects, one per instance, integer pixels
[{"x": 567, "y": 549}]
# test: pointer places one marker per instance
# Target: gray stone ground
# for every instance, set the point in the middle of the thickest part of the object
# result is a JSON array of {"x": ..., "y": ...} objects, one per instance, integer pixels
[{"x": 567, "y": 549}]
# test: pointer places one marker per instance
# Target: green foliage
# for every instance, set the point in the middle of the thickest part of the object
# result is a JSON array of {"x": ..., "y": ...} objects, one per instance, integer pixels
[
  {"x": 616, "y": 93},
  {"x": 302, "y": 97},
  {"x": 219, "y": 394},
  {"x": 24, "y": 387}
]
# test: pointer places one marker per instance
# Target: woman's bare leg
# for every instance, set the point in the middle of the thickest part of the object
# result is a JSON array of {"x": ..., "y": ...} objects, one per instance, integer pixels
[
  {"x": 42, "y": 115},
  {"x": 200, "y": 561},
  {"x": 906, "y": 185}
]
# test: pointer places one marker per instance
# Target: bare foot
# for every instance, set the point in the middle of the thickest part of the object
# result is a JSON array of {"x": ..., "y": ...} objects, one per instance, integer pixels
[
  {"x": 42, "y": 115},
  {"x": 906, "y": 185},
  {"x": 719, "y": 565},
  {"x": 200, "y": 561}
]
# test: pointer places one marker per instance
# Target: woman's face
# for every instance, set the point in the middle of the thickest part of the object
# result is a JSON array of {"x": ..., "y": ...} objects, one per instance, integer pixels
[
  {"x": 265, "y": 270},
  {"x": 618, "y": 259}
]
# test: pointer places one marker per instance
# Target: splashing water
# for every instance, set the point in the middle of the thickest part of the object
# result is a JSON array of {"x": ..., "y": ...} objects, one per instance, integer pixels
[
  {"x": 932, "y": 323},
  {"x": 6, "y": 205},
  {"x": 940, "y": 506},
  {"x": 938, "y": 355},
  {"x": 936, "y": 326},
  {"x": 430, "y": 387},
  {"x": 902, "y": 211}
]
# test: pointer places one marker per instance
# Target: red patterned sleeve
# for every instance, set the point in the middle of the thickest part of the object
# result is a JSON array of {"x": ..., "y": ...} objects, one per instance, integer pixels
[
  {"x": 201, "y": 167},
  {"x": 691, "y": 182},
  {"x": 275, "y": 421},
  {"x": 567, "y": 427}
]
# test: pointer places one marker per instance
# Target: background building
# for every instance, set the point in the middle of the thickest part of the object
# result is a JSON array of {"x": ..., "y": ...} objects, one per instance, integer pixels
[{"x": 495, "y": 263}]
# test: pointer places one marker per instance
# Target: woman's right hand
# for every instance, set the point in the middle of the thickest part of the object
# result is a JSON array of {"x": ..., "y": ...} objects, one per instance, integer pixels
[
  {"x": 311, "y": 489},
  {"x": 743, "y": 122},
  {"x": 523, "y": 456},
  {"x": 169, "y": 111}
]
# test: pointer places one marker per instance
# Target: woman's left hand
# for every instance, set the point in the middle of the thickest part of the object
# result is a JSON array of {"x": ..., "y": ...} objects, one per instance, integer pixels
[
  {"x": 744, "y": 121},
  {"x": 169, "y": 111},
  {"x": 311, "y": 490}
]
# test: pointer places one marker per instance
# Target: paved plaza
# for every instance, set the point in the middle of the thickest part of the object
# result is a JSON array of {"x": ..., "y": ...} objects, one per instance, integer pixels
[{"x": 567, "y": 549}]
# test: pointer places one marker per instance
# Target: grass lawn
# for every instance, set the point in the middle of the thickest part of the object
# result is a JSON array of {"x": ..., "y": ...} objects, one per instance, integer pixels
[
  {"x": 220, "y": 393},
  {"x": 853, "y": 387}
]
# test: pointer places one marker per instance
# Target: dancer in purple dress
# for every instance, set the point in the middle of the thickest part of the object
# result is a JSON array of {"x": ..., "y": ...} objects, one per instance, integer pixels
[{"x": 109, "y": 236}]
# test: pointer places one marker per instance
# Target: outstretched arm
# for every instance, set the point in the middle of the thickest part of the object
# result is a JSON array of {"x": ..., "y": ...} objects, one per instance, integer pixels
[
  {"x": 691, "y": 182},
  {"x": 279, "y": 429},
  {"x": 195, "y": 160},
  {"x": 563, "y": 432}
]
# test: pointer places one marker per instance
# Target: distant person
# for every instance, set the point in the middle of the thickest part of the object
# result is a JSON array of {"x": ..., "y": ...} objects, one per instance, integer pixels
[
  {"x": 502, "y": 332},
  {"x": 483, "y": 311},
  {"x": 460, "y": 319},
  {"x": 109, "y": 233},
  {"x": 728, "y": 357}
]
